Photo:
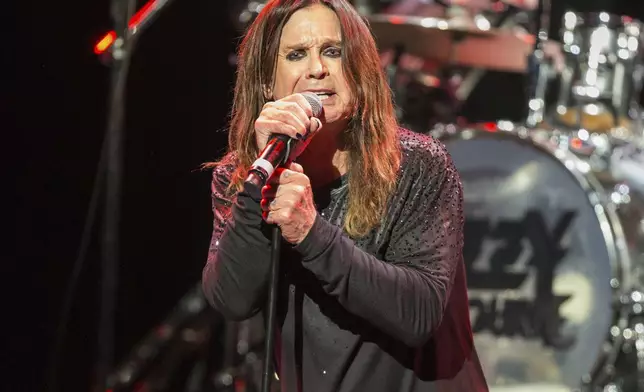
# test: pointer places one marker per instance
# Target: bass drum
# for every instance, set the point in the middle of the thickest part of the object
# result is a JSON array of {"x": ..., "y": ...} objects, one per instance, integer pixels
[{"x": 551, "y": 250}]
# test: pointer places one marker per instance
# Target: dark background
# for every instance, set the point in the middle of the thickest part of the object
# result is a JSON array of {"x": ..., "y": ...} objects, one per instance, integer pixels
[{"x": 178, "y": 99}]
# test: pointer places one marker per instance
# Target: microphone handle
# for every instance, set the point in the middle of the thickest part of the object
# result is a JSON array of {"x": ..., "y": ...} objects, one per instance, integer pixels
[{"x": 275, "y": 153}]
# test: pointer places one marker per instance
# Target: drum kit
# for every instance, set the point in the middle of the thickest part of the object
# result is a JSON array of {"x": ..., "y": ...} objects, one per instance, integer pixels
[
  {"x": 554, "y": 203},
  {"x": 554, "y": 228}
]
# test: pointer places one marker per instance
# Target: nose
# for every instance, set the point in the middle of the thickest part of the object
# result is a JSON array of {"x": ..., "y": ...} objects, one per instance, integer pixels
[{"x": 317, "y": 68}]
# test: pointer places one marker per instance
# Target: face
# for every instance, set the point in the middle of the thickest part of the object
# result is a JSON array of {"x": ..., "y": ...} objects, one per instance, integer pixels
[{"x": 310, "y": 59}]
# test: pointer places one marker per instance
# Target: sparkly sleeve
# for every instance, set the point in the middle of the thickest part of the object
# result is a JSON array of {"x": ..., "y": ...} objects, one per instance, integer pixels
[
  {"x": 236, "y": 272},
  {"x": 404, "y": 296}
]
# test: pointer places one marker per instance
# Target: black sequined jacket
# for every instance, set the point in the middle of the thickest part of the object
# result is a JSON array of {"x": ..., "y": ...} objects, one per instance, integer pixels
[{"x": 386, "y": 312}]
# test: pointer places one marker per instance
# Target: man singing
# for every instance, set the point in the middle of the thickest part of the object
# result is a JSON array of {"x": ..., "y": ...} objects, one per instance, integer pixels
[{"x": 372, "y": 295}]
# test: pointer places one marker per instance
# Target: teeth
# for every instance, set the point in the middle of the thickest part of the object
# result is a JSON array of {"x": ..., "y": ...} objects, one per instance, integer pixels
[{"x": 323, "y": 96}]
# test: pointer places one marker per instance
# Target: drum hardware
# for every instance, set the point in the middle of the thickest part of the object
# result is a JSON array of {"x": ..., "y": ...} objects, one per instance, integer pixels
[
  {"x": 458, "y": 50},
  {"x": 220, "y": 355},
  {"x": 539, "y": 67},
  {"x": 421, "y": 97},
  {"x": 474, "y": 75},
  {"x": 628, "y": 372},
  {"x": 600, "y": 84},
  {"x": 191, "y": 309},
  {"x": 453, "y": 42},
  {"x": 425, "y": 97},
  {"x": 597, "y": 86},
  {"x": 627, "y": 163},
  {"x": 241, "y": 369}
]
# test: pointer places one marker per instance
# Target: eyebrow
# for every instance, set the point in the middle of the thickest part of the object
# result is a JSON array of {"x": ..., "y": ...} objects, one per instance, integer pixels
[{"x": 300, "y": 45}]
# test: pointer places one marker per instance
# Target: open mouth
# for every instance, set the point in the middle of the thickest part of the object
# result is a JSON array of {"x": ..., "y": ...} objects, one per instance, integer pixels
[{"x": 323, "y": 95}]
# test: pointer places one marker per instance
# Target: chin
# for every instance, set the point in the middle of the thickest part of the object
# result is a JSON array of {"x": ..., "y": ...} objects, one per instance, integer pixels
[{"x": 335, "y": 120}]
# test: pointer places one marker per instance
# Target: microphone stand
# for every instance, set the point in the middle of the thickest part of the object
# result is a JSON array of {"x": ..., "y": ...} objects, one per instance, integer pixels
[
  {"x": 257, "y": 177},
  {"x": 126, "y": 29},
  {"x": 121, "y": 11},
  {"x": 267, "y": 372}
]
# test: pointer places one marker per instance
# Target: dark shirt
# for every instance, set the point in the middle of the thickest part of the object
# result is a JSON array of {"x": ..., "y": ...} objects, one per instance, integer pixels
[{"x": 386, "y": 312}]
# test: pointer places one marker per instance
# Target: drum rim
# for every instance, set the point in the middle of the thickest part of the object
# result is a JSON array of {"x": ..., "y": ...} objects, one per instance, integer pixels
[{"x": 605, "y": 212}]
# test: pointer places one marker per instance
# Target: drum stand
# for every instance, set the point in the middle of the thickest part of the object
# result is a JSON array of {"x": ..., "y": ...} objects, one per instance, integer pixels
[
  {"x": 538, "y": 70},
  {"x": 474, "y": 75},
  {"x": 624, "y": 370},
  {"x": 627, "y": 373},
  {"x": 633, "y": 344}
]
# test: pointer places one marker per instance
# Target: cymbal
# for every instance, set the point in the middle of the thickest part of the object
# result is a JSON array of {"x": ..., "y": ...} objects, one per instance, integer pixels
[{"x": 458, "y": 42}]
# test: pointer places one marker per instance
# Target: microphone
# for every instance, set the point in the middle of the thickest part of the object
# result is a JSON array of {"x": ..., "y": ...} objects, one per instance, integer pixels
[{"x": 278, "y": 150}]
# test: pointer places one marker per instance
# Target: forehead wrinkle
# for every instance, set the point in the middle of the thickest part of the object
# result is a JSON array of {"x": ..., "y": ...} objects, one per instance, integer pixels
[{"x": 309, "y": 32}]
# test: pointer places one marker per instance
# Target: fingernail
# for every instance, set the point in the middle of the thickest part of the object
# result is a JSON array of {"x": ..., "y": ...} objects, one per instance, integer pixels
[{"x": 300, "y": 136}]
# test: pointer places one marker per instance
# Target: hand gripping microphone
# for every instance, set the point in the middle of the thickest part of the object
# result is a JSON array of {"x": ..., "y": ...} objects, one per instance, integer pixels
[{"x": 279, "y": 149}]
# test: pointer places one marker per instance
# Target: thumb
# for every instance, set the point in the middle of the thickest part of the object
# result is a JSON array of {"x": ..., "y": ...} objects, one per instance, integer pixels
[{"x": 296, "y": 167}]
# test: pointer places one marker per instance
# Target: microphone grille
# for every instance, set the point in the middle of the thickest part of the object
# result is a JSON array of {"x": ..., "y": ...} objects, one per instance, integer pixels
[{"x": 315, "y": 103}]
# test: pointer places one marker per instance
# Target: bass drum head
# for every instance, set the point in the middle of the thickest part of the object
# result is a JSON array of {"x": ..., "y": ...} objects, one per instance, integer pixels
[{"x": 539, "y": 265}]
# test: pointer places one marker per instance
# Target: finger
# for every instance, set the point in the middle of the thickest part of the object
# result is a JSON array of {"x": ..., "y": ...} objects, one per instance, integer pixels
[
  {"x": 284, "y": 113},
  {"x": 287, "y": 201},
  {"x": 316, "y": 125},
  {"x": 279, "y": 217},
  {"x": 280, "y": 196},
  {"x": 269, "y": 204},
  {"x": 265, "y": 204},
  {"x": 291, "y": 110},
  {"x": 267, "y": 125},
  {"x": 271, "y": 218},
  {"x": 305, "y": 110},
  {"x": 282, "y": 176},
  {"x": 274, "y": 180},
  {"x": 288, "y": 176},
  {"x": 268, "y": 196},
  {"x": 290, "y": 104},
  {"x": 269, "y": 190},
  {"x": 296, "y": 167},
  {"x": 301, "y": 101}
]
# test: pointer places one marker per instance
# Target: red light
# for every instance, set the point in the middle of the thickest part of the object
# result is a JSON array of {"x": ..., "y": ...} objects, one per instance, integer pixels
[
  {"x": 110, "y": 37},
  {"x": 105, "y": 42},
  {"x": 577, "y": 143},
  {"x": 490, "y": 127},
  {"x": 138, "y": 16},
  {"x": 396, "y": 20}
]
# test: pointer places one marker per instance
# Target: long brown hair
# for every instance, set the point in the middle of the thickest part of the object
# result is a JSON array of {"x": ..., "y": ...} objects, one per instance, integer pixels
[{"x": 371, "y": 137}]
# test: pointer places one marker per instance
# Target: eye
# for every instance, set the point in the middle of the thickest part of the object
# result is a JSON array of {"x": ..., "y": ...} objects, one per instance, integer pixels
[
  {"x": 333, "y": 52},
  {"x": 295, "y": 55}
]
